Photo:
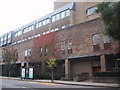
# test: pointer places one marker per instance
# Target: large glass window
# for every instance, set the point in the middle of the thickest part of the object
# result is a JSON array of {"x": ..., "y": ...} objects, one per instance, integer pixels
[{"x": 91, "y": 10}]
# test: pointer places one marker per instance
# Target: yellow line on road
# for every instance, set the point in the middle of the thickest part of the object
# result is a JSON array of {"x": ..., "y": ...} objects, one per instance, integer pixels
[{"x": 45, "y": 83}]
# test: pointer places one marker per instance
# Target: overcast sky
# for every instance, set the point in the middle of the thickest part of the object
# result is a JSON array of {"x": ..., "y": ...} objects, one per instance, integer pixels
[{"x": 16, "y": 13}]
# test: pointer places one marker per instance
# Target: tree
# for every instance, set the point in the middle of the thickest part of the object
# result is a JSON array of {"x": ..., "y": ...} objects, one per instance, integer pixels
[
  {"x": 51, "y": 63},
  {"x": 10, "y": 56},
  {"x": 45, "y": 47},
  {"x": 110, "y": 14}
]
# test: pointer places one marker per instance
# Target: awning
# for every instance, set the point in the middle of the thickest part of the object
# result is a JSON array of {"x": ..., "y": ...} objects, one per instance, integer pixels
[{"x": 83, "y": 56}]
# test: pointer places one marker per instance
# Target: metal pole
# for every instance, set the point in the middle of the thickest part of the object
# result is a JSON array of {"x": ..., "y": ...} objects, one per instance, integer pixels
[{"x": 9, "y": 70}]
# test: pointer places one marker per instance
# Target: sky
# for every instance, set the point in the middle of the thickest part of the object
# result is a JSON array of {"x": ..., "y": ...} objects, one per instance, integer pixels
[{"x": 16, "y": 13}]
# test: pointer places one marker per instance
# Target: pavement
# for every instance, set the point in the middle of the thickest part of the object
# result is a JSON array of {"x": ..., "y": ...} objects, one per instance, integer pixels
[{"x": 82, "y": 83}]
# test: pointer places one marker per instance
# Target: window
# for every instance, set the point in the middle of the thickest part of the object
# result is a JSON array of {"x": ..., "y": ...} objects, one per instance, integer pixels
[
  {"x": 47, "y": 20},
  {"x": 40, "y": 24},
  {"x": 96, "y": 39},
  {"x": 5, "y": 40},
  {"x": 25, "y": 30},
  {"x": 53, "y": 18},
  {"x": 52, "y": 30},
  {"x": 63, "y": 47},
  {"x": 69, "y": 47},
  {"x": 56, "y": 29},
  {"x": 106, "y": 39},
  {"x": 47, "y": 32},
  {"x": 63, "y": 27},
  {"x": 1, "y": 41},
  {"x": 19, "y": 33},
  {"x": 44, "y": 22},
  {"x": 44, "y": 33},
  {"x": 26, "y": 51},
  {"x": 96, "y": 42},
  {"x": 63, "y": 14},
  {"x": 9, "y": 35},
  {"x": 67, "y": 13},
  {"x": 31, "y": 28},
  {"x": 107, "y": 43},
  {"x": 9, "y": 38},
  {"x": 40, "y": 52},
  {"x": 37, "y": 25},
  {"x": 46, "y": 50},
  {"x": 29, "y": 52},
  {"x": 91, "y": 11},
  {"x": 57, "y": 17}
]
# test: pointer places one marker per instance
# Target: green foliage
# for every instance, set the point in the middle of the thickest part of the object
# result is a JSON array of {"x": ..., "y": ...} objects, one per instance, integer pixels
[
  {"x": 110, "y": 14},
  {"x": 51, "y": 63}
]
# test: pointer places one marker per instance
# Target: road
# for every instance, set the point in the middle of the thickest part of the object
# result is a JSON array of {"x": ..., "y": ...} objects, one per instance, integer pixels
[
  {"x": 6, "y": 83},
  {"x": 30, "y": 85}
]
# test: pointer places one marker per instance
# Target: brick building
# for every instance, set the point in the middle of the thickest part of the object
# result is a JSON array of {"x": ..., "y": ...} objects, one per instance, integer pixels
[{"x": 73, "y": 33}]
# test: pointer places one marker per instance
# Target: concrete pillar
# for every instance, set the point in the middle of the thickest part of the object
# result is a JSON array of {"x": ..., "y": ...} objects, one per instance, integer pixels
[
  {"x": 72, "y": 17},
  {"x": 103, "y": 63},
  {"x": 67, "y": 69}
]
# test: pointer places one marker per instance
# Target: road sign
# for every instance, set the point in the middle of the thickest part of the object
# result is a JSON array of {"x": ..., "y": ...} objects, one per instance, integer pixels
[
  {"x": 30, "y": 72},
  {"x": 23, "y": 72}
]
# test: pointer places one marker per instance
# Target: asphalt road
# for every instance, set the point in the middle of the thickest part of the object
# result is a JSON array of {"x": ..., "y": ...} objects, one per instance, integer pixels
[{"x": 29, "y": 84}]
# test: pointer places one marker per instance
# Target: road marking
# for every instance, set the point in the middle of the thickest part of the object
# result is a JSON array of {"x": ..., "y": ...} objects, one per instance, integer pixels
[{"x": 46, "y": 83}]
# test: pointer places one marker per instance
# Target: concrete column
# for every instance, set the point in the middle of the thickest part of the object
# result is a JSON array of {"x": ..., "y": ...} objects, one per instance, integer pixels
[
  {"x": 72, "y": 17},
  {"x": 67, "y": 69},
  {"x": 103, "y": 63}
]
